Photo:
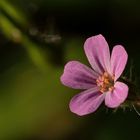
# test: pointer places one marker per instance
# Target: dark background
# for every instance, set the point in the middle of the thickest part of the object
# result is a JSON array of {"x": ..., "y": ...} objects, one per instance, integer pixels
[{"x": 37, "y": 38}]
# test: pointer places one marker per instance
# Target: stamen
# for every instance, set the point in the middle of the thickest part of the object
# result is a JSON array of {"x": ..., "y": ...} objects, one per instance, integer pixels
[{"x": 105, "y": 82}]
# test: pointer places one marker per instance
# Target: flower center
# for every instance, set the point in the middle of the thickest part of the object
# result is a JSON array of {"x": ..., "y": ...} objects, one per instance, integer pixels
[{"x": 105, "y": 82}]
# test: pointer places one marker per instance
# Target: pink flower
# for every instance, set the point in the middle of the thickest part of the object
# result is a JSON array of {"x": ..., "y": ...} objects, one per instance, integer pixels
[{"x": 99, "y": 84}]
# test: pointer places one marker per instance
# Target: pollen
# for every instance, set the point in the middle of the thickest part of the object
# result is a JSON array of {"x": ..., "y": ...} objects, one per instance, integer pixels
[{"x": 105, "y": 82}]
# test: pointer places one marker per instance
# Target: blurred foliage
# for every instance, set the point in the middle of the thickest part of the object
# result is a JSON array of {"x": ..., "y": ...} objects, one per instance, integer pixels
[{"x": 37, "y": 38}]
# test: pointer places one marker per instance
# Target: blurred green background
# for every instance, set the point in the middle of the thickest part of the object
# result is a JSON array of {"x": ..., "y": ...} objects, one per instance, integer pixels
[{"x": 37, "y": 38}]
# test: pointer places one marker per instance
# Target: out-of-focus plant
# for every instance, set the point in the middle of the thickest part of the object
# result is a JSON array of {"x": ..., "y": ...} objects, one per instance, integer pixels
[
  {"x": 14, "y": 12},
  {"x": 16, "y": 35}
]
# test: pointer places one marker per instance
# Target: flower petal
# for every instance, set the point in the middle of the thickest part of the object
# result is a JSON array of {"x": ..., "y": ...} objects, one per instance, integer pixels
[
  {"x": 86, "y": 102},
  {"x": 118, "y": 96},
  {"x": 118, "y": 60},
  {"x": 98, "y": 54},
  {"x": 78, "y": 76}
]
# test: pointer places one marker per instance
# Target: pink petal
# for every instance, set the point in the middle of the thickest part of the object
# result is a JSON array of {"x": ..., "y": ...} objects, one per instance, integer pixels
[
  {"x": 78, "y": 76},
  {"x": 118, "y": 60},
  {"x": 86, "y": 102},
  {"x": 118, "y": 96},
  {"x": 98, "y": 54}
]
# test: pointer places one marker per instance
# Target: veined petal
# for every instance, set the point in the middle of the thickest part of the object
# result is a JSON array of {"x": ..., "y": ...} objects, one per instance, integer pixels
[
  {"x": 86, "y": 102},
  {"x": 118, "y": 60},
  {"x": 78, "y": 76},
  {"x": 118, "y": 96},
  {"x": 98, "y": 54}
]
